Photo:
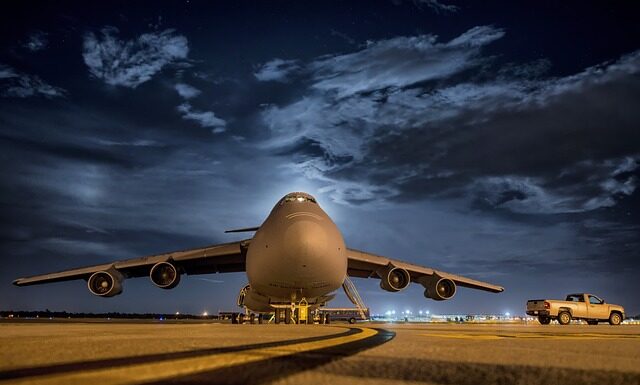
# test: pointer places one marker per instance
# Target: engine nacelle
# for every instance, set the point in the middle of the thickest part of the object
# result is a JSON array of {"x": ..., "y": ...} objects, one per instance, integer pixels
[
  {"x": 394, "y": 278},
  {"x": 164, "y": 275},
  {"x": 106, "y": 283},
  {"x": 252, "y": 300},
  {"x": 438, "y": 288}
]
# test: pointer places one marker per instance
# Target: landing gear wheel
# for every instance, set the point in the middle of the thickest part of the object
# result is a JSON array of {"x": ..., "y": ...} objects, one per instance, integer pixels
[
  {"x": 615, "y": 319},
  {"x": 277, "y": 314},
  {"x": 327, "y": 319},
  {"x": 260, "y": 319},
  {"x": 352, "y": 320},
  {"x": 240, "y": 318},
  {"x": 544, "y": 320},
  {"x": 592, "y": 322},
  {"x": 252, "y": 319},
  {"x": 564, "y": 318},
  {"x": 287, "y": 316}
]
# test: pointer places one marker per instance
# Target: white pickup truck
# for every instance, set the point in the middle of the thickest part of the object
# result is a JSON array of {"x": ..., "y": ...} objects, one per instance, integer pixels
[{"x": 576, "y": 306}]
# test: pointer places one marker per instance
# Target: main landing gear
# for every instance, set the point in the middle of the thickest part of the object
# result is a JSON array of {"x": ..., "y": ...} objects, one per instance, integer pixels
[{"x": 246, "y": 318}]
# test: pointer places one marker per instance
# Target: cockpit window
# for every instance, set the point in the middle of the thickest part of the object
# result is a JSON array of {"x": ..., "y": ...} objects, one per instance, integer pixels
[{"x": 298, "y": 198}]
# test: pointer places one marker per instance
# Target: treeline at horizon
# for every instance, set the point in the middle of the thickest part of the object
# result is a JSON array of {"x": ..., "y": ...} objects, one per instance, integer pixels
[{"x": 64, "y": 314}]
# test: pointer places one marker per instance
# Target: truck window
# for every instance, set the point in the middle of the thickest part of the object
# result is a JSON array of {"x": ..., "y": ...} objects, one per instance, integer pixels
[{"x": 595, "y": 300}]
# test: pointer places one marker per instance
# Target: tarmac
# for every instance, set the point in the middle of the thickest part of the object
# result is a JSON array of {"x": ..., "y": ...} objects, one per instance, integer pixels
[{"x": 105, "y": 353}]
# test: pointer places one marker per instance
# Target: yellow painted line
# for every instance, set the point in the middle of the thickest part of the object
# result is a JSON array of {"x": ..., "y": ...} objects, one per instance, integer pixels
[
  {"x": 582, "y": 336},
  {"x": 163, "y": 370}
]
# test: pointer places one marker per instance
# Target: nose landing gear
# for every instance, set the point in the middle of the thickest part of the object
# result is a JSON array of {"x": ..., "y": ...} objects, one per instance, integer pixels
[{"x": 294, "y": 313}]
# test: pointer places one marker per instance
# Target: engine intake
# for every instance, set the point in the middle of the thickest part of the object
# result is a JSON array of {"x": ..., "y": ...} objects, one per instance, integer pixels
[
  {"x": 438, "y": 288},
  {"x": 105, "y": 283},
  {"x": 164, "y": 275},
  {"x": 393, "y": 278}
]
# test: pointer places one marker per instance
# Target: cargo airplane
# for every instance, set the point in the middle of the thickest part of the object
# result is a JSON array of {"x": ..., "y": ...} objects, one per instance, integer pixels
[{"x": 297, "y": 254}]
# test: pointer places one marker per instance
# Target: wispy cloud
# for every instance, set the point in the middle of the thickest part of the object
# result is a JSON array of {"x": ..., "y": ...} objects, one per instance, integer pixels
[
  {"x": 400, "y": 61},
  {"x": 411, "y": 117},
  {"x": 37, "y": 41},
  {"x": 14, "y": 84},
  {"x": 203, "y": 118},
  {"x": 130, "y": 63},
  {"x": 436, "y": 6},
  {"x": 278, "y": 70},
  {"x": 186, "y": 91},
  {"x": 600, "y": 185}
]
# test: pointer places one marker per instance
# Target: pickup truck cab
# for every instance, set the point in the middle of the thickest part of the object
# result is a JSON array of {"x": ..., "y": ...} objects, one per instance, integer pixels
[{"x": 582, "y": 306}]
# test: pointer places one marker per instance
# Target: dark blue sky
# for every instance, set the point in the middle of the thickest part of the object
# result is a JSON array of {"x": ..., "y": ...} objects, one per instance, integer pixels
[{"x": 494, "y": 140}]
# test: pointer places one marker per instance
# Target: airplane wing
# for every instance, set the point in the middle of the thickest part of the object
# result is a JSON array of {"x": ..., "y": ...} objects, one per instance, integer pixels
[
  {"x": 366, "y": 265},
  {"x": 221, "y": 258}
]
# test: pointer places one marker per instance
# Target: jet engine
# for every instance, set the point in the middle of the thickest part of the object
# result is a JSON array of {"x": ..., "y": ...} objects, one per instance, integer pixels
[
  {"x": 253, "y": 300},
  {"x": 394, "y": 278},
  {"x": 438, "y": 288},
  {"x": 105, "y": 283},
  {"x": 164, "y": 275}
]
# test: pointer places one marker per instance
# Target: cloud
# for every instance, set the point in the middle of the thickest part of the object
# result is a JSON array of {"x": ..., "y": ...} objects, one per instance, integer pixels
[
  {"x": 15, "y": 84},
  {"x": 277, "y": 70},
  {"x": 601, "y": 188},
  {"x": 437, "y": 6},
  {"x": 7, "y": 72},
  {"x": 38, "y": 41},
  {"x": 203, "y": 118},
  {"x": 411, "y": 117},
  {"x": 434, "y": 5},
  {"x": 400, "y": 62},
  {"x": 186, "y": 91},
  {"x": 132, "y": 62}
]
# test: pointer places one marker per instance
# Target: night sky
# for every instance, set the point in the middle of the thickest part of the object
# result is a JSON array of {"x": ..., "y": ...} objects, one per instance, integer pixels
[{"x": 491, "y": 140}]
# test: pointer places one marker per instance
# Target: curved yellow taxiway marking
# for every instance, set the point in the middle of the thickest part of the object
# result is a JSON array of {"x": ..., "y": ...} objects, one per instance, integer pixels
[{"x": 162, "y": 370}]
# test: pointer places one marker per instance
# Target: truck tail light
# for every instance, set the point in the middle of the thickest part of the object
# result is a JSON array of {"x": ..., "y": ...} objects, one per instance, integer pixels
[{"x": 547, "y": 305}]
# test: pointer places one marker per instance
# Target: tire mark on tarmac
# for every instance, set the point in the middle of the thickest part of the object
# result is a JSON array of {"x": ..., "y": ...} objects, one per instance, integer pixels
[
  {"x": 434, "y": 371},
  {"x": 573, "y": 336},
  {"x": 255, "y": 365},
  {"x": 121, "y": 361},
  {"x": 265, "y": 371}
]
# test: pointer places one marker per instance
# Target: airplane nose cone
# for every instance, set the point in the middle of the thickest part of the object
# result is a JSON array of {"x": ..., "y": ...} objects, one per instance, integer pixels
[{"x": 307, "y": 242}]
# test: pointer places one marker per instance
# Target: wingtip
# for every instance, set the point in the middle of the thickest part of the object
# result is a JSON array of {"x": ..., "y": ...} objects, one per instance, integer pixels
[{"x": 16, "y": 282}]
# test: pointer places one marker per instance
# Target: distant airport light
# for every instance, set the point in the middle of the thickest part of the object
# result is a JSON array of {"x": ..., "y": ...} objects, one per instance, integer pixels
[
  {"x": 420, "y": 312},
  {"x": 204, "y": 314},
  {"x": 507, "y": 314},
  {"x": 427, "y": 311},
  {"x": 177, "y": 313},
  {"x": 393, "y": 312}
]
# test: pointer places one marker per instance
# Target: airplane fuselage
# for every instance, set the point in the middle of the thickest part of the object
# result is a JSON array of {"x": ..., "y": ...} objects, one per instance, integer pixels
[{"x": 298, "y": 252}]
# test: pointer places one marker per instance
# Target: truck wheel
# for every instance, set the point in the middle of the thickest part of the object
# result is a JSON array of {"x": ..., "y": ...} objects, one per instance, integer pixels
[
  {"x": 544, "y": 320},
  {"x": 592, "y": 322},
  {"x": 615, "y": 319},
  {"x": 564, "y": 318}
]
